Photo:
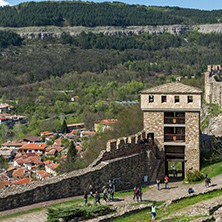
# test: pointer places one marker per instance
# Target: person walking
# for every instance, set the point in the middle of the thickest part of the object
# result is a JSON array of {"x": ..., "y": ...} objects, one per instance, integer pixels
[
  {"x": 140, "y": 193},
  {"x": 158, "y": 183},
  {"x": 153, "y": 211},
  {"x": 97, "y": 197},
  {"x": 207, "y": 181},
  {"x": 91, "y": 190},
  {"x": 134, "y": 192},
  {"x": 85, "y": 197},
  {"x": 111, "y": 193},
  {"x": 166, "y": 181},
  {"x": 104, "y": 193}
]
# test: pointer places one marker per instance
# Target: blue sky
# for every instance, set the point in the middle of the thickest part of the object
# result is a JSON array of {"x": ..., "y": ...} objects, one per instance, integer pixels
[{"x": 197, "y": 4}]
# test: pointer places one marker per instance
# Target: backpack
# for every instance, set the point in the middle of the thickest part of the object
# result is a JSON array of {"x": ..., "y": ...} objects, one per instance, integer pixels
[{"x": 135, "y": 192}]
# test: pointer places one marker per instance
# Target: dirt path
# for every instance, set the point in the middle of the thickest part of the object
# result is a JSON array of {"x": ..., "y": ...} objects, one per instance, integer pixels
[{"x": 176, "y": 189}]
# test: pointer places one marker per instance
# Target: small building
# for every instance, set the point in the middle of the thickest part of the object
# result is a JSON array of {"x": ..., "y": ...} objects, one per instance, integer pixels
[
  {"x": 76, "y": 126},
  {"x": 106, "y": 124},
  {"x": 172, "y": 114},
  {"x": 32, "y": 139},
  {"x": 33, "y": 148}
]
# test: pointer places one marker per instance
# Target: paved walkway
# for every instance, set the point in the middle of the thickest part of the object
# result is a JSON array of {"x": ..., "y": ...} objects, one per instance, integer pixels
[{"x": 176, "y": 189}]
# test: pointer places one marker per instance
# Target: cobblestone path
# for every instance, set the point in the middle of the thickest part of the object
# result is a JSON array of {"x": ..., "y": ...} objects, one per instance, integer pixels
[{"x": 176, "y": 189}]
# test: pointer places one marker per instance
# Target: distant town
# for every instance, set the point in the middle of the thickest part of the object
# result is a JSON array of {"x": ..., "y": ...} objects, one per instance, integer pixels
[{"x": 36, "y": 158}]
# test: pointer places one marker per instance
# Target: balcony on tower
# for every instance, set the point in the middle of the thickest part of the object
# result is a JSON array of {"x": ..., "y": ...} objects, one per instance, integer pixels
[
  {"x": 174, "y": 118},
  {"x": 174, "y": 134}
]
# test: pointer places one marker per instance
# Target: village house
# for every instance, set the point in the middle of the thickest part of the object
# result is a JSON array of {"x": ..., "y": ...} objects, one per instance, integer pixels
[
  {"x": 76, "y": 126},
  {"x": 15, "y": 144},
  {"x": 42, "y": 175},
  {"x": 87, "y": 134},
  {"x": 7, "y": 153},
  {"x": 20, "y": 173},
  {"x": 105, "y": 124},
  {"x": 50, "y": 167},
  {"x": 23, "y": 181},
  {"x": 33, "y": 147},
  {"x": 4, "y": 184},
  {"x": 32, "y": 139},
  {"x": 4, "y": 107}
]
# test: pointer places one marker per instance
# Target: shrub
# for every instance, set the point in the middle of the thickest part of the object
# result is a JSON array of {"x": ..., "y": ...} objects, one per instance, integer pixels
[
  {"x": 72, "y": 211},
  {"x": 193, "y": 176}
]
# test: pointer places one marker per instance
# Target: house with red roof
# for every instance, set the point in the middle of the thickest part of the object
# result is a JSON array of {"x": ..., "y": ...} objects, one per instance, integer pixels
[
  {"x": 87, "y": 134},
  {"x": 15, "y": 144},
  {"x": 32, "y": 139},
  {"x": 23, "y": 181},
  {"x": 4, "y": 184},
  {"x": 20, "y": 173},
  {"x": 50, "y": 168},
  {"x": 105, "y": 124},
  {"x": 42, "y": 175},
  {"x": 33, "y": 147}
]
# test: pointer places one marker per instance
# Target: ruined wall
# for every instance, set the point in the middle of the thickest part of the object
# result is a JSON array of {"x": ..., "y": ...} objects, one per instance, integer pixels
[
  {"x": 192, "y": 140},
  {"x": 131, "y": 169},
  {"x": 213, "y": 88}
]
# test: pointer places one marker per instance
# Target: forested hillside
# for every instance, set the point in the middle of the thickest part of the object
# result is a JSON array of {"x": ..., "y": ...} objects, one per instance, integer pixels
[
  {"x": 99, "y": 70},
  {"x": 69, "y": 13}
]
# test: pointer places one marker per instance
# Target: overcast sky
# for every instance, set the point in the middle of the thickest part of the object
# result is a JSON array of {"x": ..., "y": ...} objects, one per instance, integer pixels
[{"x": 197, "y": 4}]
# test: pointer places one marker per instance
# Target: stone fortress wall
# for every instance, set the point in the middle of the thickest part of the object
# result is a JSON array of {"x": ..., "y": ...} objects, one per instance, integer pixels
[{"x": 122, "y": 159}]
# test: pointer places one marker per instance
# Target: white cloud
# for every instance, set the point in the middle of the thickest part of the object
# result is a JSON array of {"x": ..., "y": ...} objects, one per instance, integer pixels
[{"x": 3, "y": 3}]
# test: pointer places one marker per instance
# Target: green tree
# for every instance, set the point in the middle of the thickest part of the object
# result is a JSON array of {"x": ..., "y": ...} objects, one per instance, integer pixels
[{"x": 64, "y": 128}]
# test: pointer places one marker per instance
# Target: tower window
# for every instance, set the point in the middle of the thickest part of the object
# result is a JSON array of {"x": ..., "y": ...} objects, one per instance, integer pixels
[
  {"x": 177, "y": 99},
  {"x": 189, "y": 99},
  {"x": 151, "y": 99},
  {"x": 163, "y": 99}
]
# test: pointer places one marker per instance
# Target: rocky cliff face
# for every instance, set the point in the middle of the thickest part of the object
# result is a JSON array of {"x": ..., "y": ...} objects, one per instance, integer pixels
[{"x": 42, "y": 32}]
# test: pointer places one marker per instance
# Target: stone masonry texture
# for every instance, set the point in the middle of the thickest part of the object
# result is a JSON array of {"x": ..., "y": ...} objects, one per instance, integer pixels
[{"x": 192, "y": 150}]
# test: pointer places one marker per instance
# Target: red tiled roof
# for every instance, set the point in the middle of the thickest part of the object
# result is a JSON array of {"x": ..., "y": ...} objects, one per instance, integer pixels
[
  {"x": 6, "y": 183},
  {"x": 79, "y": 148},
  {"x": 23, "y": 181},
  {"x": 12, "y": 168},
  {"x": 51, "y": 152},
  {"x": 108, "y": 122},
  {"x": 88, "y": 133},
  {"x": 19, "y": 172},
  {"x": 52, "y": 166},
  {"x": 20, "y": 161},
  {"x": 60, "y": 149},
  {"x": 47, "y": 162},
  {"x": 32, "y": 139},
  {"x": 75, "y": 124},
  {"x": 47, "y": 133},
  {"x": 33, "y": 146}
]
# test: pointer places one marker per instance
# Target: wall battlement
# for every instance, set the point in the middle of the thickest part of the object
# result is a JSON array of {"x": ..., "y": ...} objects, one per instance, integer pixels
[{"x": 125, "y": 146}]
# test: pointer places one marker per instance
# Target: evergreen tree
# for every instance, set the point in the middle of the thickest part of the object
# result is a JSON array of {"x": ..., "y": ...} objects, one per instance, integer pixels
[
  {"x": 72, "y": 152},
  {"x": 65, "y": 129}
]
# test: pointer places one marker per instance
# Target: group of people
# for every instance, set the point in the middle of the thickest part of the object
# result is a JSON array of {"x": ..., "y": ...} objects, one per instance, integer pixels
[
  {"x": 166, "y": 181},
  {"x": 108, "y": 194},
  {"x": 137, "y": 194}
]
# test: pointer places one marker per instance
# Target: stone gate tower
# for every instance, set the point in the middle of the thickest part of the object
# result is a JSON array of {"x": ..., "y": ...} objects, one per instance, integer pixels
[{"x": 172, "y": 113}]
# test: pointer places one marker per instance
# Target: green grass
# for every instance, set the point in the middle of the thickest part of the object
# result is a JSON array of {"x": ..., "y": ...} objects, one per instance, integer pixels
[
  {"x": 159, "y": 203},
  {"x": 70, "y": 202},
  {"x": 166, "y": 211},
  {"x": 21, "y": 213},
  {"x": 184, "y": 218},
  {"x": 213, "y": 170}
]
